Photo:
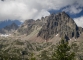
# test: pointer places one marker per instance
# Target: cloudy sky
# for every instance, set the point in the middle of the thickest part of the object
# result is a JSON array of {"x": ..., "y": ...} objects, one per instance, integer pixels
[{"x": 34, "y": 9}]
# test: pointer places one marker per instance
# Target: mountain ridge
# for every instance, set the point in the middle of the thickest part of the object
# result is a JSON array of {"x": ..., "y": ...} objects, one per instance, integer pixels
[{"x": 48, "y": 27}]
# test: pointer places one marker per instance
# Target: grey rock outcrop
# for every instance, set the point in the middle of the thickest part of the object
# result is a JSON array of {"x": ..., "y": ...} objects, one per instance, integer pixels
[
  {"x": 26, "y": 27},
  {"x": 30, "y": 25},
  {"x": 60, "y": 24}
]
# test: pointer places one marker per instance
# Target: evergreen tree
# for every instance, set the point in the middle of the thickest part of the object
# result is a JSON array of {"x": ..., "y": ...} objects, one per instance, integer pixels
[{"x": 63, "y": 51}]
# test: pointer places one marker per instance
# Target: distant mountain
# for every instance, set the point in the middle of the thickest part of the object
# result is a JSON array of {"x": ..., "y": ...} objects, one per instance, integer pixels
[
  {"x": 9, "y": 29},
  {"x": 8, "y": 22}
]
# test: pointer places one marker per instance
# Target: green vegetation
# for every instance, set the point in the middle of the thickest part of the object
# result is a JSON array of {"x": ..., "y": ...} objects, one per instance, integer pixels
[
  {"x": 44, "y": 55},
  {"x": 6, "y": 56},
  {"x": 63, "y": 52},
  {"x": 32, "y": 57},
  {"x": 41, "y": 51},
  {"x": 19, "y": 43}
]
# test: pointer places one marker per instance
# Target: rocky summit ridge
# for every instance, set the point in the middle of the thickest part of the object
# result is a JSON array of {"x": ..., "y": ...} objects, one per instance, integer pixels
[
  {"x": 46, "y": 28},
  {"x": 30, "y": 25},
  {"x": 61, "y": 24}
]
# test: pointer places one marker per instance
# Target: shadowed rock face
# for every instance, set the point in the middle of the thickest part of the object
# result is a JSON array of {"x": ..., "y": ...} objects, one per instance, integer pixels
[{"x": 60, "y": 24}]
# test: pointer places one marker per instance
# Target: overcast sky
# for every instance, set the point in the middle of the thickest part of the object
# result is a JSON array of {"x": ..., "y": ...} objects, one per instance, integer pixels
[{"x": 34, "y": 9}]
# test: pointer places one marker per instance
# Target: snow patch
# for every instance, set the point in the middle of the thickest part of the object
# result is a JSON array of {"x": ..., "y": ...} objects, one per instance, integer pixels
[
  {"x": 5, "y": 35},
  {"x": 57, "y": 34}
]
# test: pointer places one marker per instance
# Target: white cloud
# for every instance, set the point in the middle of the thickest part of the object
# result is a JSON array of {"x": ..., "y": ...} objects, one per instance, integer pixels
[
  {"x": 73, "y": 9},
  {"x": 27, "y": 9},
  {"x": 79, "y": 21}
]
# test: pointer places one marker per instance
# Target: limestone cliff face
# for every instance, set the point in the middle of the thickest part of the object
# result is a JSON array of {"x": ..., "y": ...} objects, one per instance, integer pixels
[{"x": 60, "y": 24}]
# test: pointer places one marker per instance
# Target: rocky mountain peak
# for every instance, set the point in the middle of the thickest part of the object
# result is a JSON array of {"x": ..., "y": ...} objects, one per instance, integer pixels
[
  {"x": 13, "y": 26},
  {"x": 29, "y": 21},
  {"x": 30, "y": 25},
  {"x": 61, "y": 24}
]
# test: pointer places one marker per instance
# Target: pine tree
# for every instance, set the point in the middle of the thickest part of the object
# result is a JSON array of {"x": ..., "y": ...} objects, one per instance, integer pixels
[{"x": 63, "y": 51}]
